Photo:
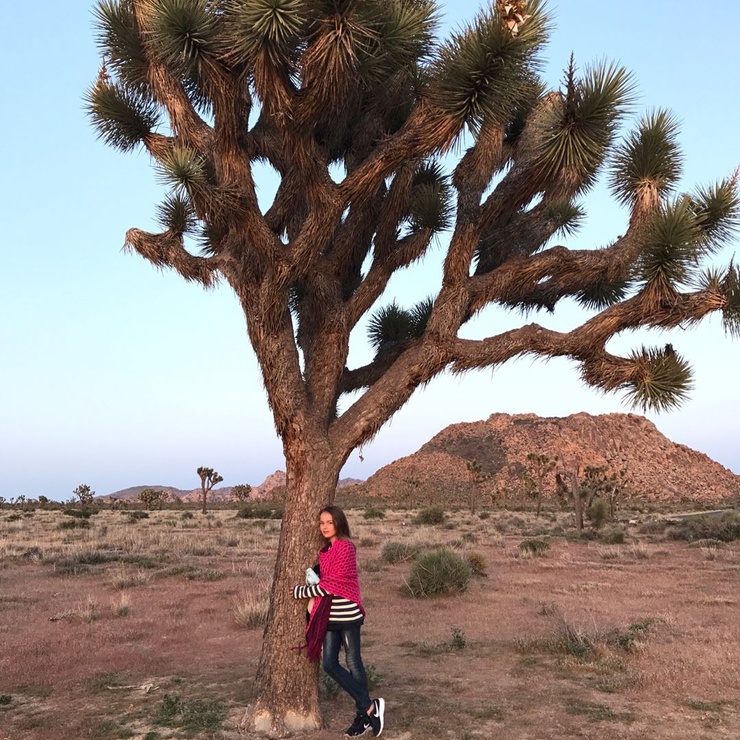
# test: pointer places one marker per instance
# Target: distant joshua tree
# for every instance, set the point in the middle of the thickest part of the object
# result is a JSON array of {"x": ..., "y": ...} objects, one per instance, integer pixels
[
  {"x": 208, "y": 479},
  {"x": 537, "y": 469},
  {"x": 85, "y": 495},
  {"x": 241, "y": 492},
  {"x": 477, "y": 478},
  {"x": 151, "y": 498}
]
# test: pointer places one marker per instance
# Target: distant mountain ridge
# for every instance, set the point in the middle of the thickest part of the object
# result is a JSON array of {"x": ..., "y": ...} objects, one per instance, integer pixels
[{"x": 268, "y": 487}]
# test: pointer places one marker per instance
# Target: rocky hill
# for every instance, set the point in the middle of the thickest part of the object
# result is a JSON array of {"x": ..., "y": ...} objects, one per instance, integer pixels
[{"x": 657, "y": 469}]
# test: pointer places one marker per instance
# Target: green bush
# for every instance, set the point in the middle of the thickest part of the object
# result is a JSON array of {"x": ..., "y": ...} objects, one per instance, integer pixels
[
  {"x": 430, "y": 515},
  {"x": 709, "y": 542},
  {"x": 654, "y": 526},
  {"x": 535, "y": 545},
  {"x": 477, "y": 564},
  {"x": 613, "y": 535},
  {"x": 74, "y": 524},
  {"x": 725, "y": 528},
  {"x": 484, "y": 515},
  {"x": 398, "y": 552},
  {"x": 259, "y": 511},
  {"x": 372, "y": 513},
  {"x": 598, "y": 512},
  {"x": 438, "y": 573},
  {"x": 136, "y": 515},
  {"x": 458, "y": 640},
  {"x": 84, "y": 513}
]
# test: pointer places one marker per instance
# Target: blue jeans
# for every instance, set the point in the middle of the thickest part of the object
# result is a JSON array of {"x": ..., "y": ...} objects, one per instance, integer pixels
[{"x": 354, "y": 680}]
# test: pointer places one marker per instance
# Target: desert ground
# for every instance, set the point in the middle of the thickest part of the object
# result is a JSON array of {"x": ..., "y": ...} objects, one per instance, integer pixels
[{"x": 150, "y": 628}]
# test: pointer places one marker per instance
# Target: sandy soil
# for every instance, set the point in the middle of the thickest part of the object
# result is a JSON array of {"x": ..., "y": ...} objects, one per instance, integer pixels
[{"x": 127, "y": 630}]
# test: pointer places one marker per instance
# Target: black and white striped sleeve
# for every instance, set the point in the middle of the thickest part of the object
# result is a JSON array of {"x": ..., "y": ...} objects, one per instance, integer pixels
[{"x": 308, "y": 592}]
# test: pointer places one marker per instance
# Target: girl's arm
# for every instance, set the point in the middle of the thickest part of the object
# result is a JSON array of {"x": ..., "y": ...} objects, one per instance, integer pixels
[{"x": 308, "y": 592}]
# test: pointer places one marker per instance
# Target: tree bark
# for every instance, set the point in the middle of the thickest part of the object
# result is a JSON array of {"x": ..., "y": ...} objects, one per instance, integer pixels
[{"x": 286, "y": 688}]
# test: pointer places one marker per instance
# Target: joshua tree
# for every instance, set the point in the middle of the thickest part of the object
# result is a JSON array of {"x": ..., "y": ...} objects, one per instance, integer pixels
[
  {"x": 477, "y": 478},
  {"x": 241, "y": 492},
  {"x": 85, "y": 495},
  {"x": 151, "y": 498},
  {"x": 538, "y": 468},
  {"x": 359, "y": 110},
  {"x": 208, "y": 479}
]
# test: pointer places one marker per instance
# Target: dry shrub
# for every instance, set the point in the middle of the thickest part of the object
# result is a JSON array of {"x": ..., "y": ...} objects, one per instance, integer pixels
[
  {"x": 477, "y": 563},
  {"x": 725, "y": 528},
  {"x": 399, "y": 552},
  {"x": 430, "y": 515},
  {"x": 125, "y": 578},
  {"x": 537, "y": 546},
  {"x": 121, "y": 605},
  {"x": 250, "y": 609}
]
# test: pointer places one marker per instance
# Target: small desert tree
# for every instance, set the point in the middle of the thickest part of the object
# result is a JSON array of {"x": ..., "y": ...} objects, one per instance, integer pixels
[
  {"x": 477, "y": 477},
  {"x": 538, "y": 467},
  {"x": 410, "y": 491},
  {"x": 208, "y": 479},
  {"x": 151, "y": 498},
  {"x": 360, "y": 109},
  {"x": 84, "y": 494},
  {"x": 586, "y": 485},
  {"x": 241, "y": 492}
]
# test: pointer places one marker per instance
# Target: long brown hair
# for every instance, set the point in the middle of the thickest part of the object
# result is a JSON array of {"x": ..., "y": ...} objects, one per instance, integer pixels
[{"x": 341, "y": 525}]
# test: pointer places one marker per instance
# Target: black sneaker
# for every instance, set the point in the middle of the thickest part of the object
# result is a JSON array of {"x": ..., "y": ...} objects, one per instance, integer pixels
[
  {"x": 359, "y": 727},
  {"x": 376, "y": 716}
]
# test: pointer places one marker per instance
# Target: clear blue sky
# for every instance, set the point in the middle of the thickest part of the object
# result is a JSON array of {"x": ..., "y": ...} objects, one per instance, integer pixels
[{"x": 115, "y": 374}]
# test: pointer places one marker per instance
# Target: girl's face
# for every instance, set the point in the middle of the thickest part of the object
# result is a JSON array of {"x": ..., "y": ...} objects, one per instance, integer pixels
[{"x": 326, "y": 525}]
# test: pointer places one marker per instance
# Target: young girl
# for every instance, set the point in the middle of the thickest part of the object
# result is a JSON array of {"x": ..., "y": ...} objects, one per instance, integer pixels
[{"x": 336, "y": 617}]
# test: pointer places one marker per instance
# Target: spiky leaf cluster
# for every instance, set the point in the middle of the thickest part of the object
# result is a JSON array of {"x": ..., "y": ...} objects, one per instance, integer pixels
[
  {"x": 566, "y": 216},
  {"x": 267, "y": 30},
  {"x": 730, "y": 286},
  {"x": 430, "y": 199},
  {"x": 647, "y": 160},
  {"x": 485, "y": 73},
  {"x": 392, "y": 324},
  {"x": 176, "y": 214},
  {"x": 672, "y": 245},
  {"x": 600, "y": 295},
  {"x": 120, "y": 41},
  {"x": 661, "y": 381},
  {"x": 573, "y": 138},
  {"x": 717, "y": 212},
  {"x": 183, "y": 32},
  {"x": 122, "y": 115},
  {"x": 182, "y": 167}
]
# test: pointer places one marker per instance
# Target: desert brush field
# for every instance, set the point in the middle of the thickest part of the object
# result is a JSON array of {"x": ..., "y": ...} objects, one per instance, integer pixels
[{"x": 147, "y": 625}]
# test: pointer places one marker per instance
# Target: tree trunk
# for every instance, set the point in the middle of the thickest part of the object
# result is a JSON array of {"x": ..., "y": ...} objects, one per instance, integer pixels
[
  {"x": 575, "y": 493},
  {"x": 286, "y": 688}
]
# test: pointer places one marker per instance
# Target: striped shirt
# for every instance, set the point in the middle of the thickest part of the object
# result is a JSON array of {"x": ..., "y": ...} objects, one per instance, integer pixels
[{"x": 344, "y": 613}]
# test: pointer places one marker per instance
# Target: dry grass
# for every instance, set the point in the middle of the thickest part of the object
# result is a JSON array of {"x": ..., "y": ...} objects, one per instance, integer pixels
[{"x": 590, "y": 639}]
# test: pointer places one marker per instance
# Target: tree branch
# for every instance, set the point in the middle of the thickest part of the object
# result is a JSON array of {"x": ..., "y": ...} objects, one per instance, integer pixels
[
  {"x": 189, "y": 127},
  {"x": 406, "y": 251},
  {"x": 167, "y": 250}
]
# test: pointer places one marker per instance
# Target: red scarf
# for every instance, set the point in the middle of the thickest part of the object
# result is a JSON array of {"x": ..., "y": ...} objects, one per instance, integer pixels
[{"x": 338, "y": 568}]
